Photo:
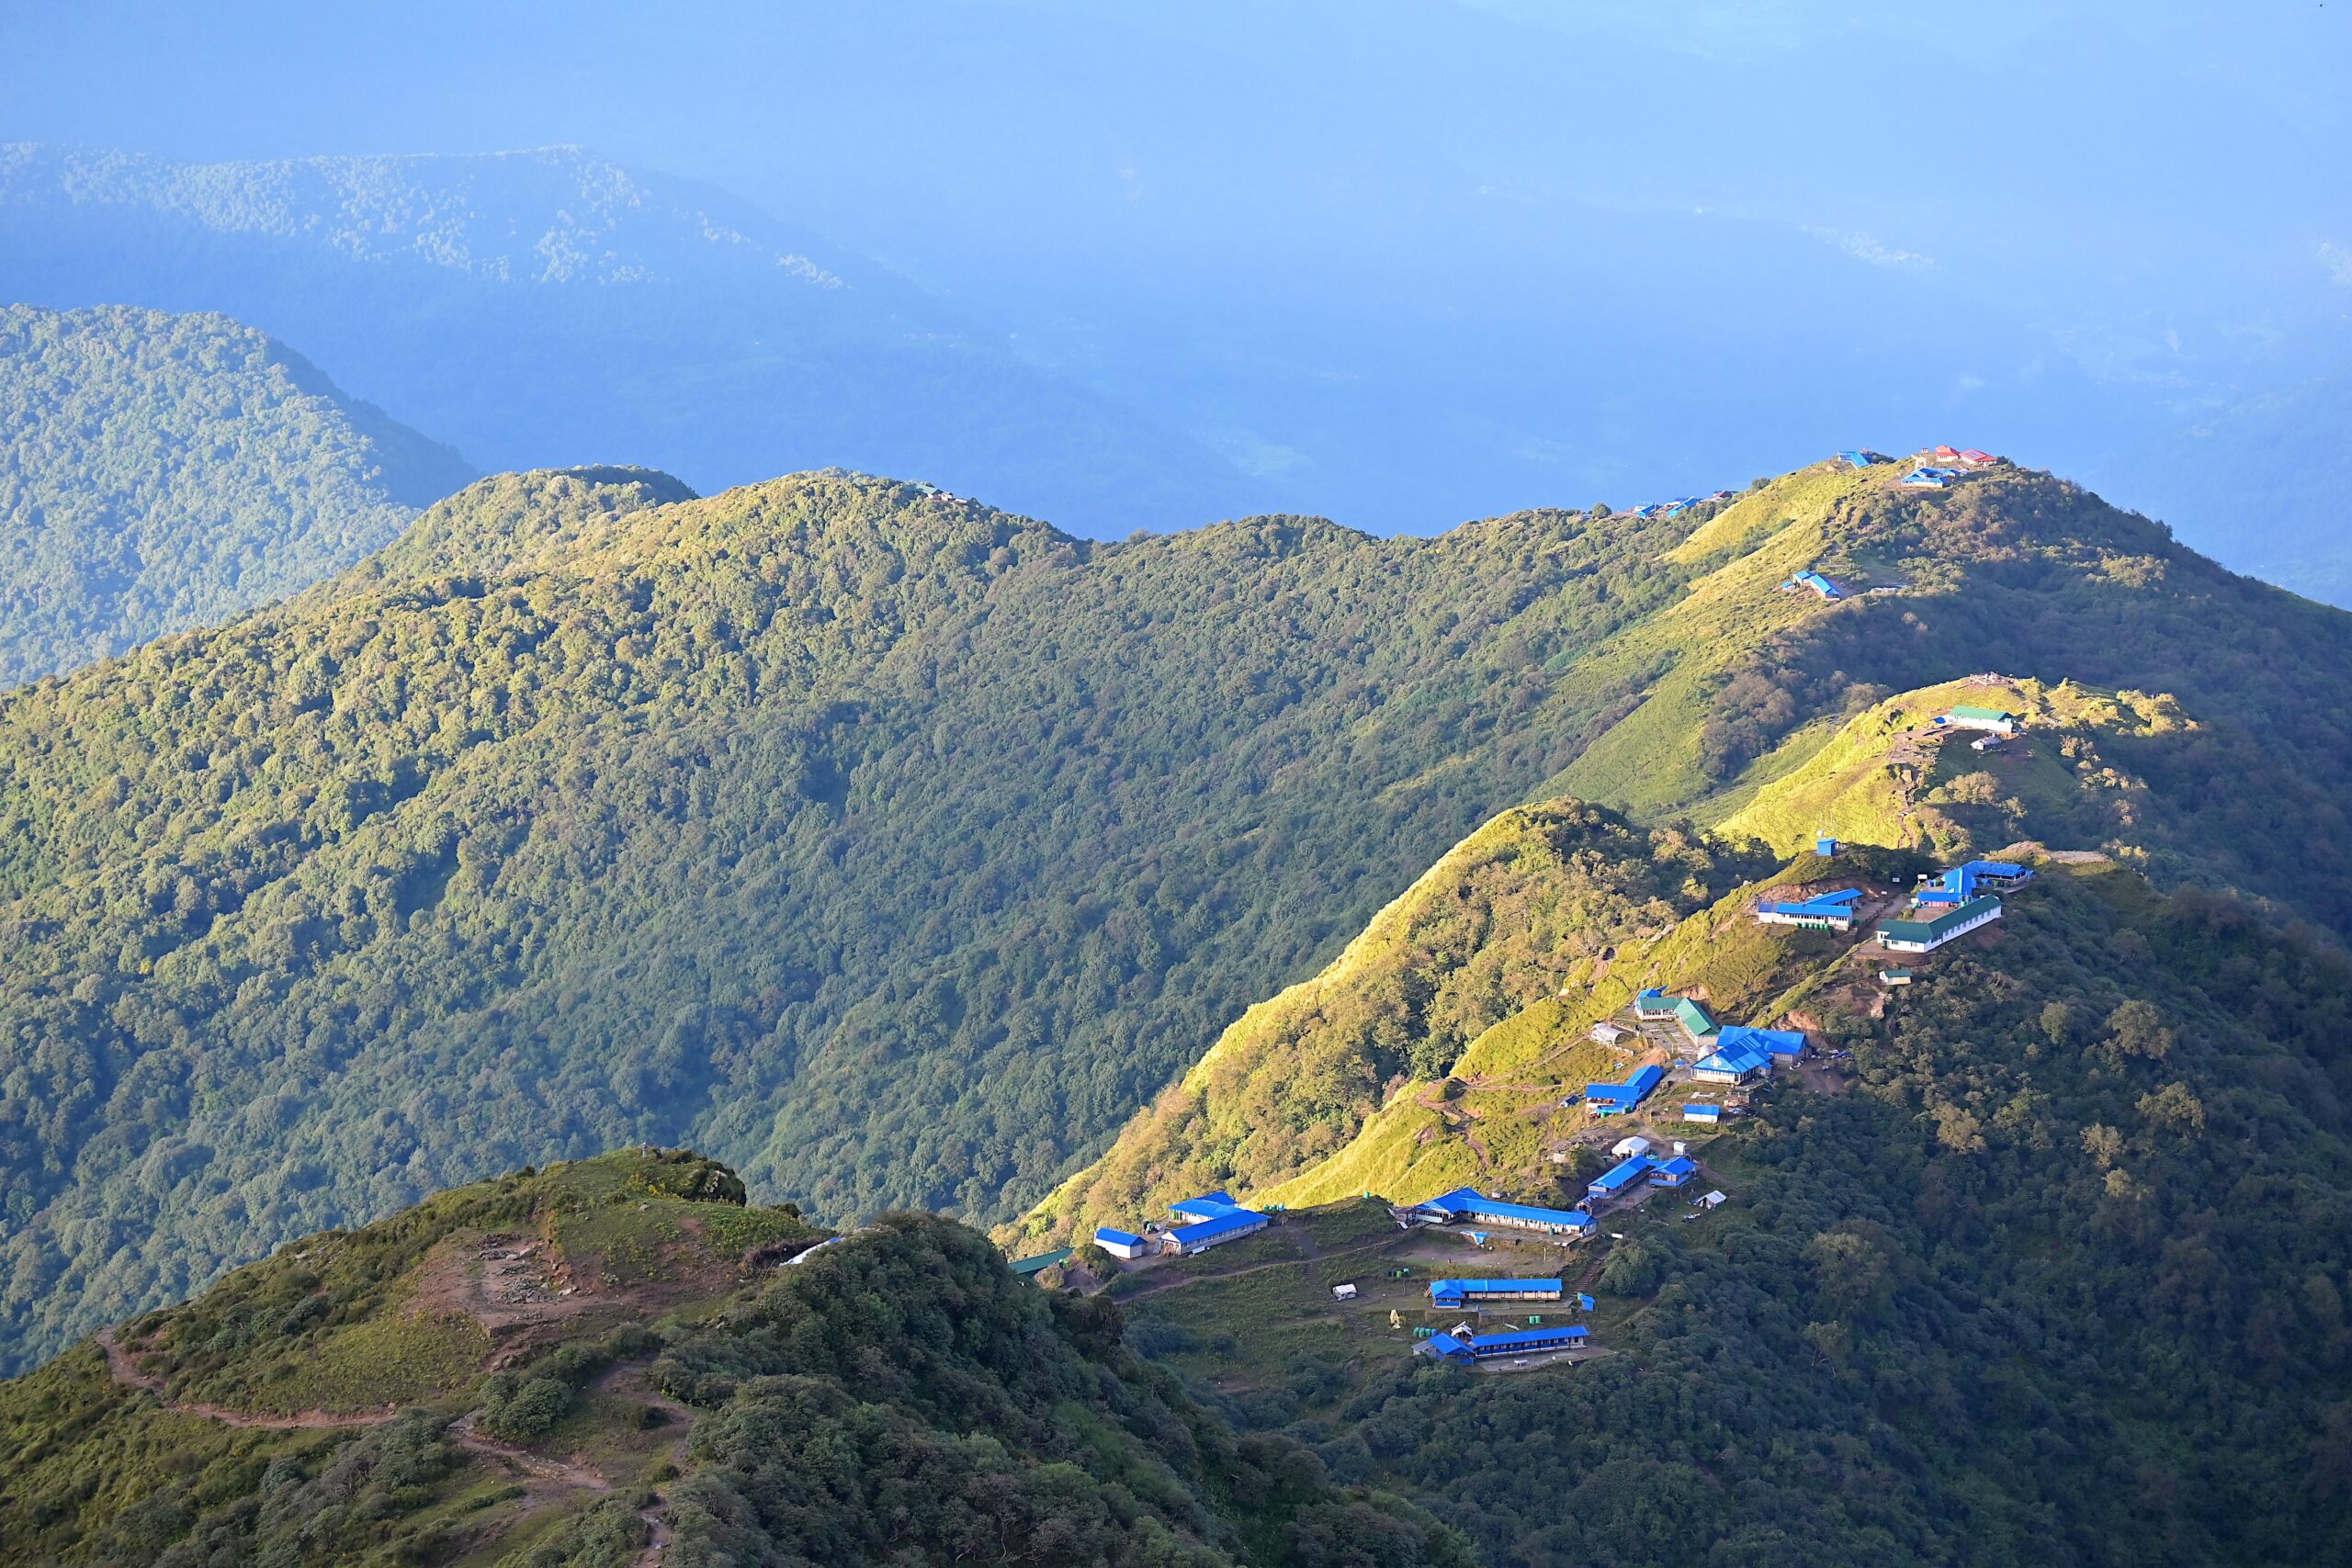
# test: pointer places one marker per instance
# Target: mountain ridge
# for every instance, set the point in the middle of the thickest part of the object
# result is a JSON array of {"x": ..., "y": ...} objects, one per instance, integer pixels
[
  {"x": 163, "y": 471},
  {"x": 900, "y": 849}
]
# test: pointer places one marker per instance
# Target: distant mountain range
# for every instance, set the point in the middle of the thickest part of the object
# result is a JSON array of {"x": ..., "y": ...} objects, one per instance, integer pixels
[
  {"x": 548, "y": 307},
  {"x": 158, "y": 472}
]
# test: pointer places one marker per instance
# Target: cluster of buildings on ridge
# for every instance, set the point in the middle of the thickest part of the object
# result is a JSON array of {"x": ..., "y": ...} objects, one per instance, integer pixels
[
  {"x": 1636, "y": 1167},
  {"x": 1936, "y": 466},
  {"x": 1678, "y": 505},
  {"x": 1952, "y": 905},
  {"x": 1210, "y": 1220}
]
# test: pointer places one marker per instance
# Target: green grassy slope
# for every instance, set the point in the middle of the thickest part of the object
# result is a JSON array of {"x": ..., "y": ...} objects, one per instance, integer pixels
[
  {"x": 1345, "y": 1085},
  {"x": 898, "y": 1396},
  {"x": 1523, "y": 907},
  {"x": 1886, "y": 777},
  {"x": 2009, "y": 571},
  {"x": 161, "y": 471}
]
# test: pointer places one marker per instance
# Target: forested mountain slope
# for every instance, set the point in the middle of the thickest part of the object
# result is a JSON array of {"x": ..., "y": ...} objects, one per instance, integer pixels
[
  {"x": 2052, "y": 1268},
  {"x": 897, "y": 850},
  {"x": 898, "y": 845},
  {"x": 1493, "y": 965},
  {"x": 603, "y": 1365},
  {"x": 158, "y": 472},
  {"x": 549, "y": 307},
  {"x": 2043, "y": 1257}
]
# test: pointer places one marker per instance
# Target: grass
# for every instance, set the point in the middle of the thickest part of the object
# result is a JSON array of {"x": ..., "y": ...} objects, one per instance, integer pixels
[
  {"x": 729, "y": 1231},
  {"x": 628, "y": 1242},
  {"x": 397, "y": 1358},
  {"x": 1649, "y": 761},
  {"x": 1257, "y": 1328}
]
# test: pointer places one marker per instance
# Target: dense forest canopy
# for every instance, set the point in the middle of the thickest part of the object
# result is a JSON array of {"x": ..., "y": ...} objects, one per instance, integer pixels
[
  {"x": 2053, "y": 1269},
  {"x": 159, "y": 472},
  {"x": 898, "y": 849}
]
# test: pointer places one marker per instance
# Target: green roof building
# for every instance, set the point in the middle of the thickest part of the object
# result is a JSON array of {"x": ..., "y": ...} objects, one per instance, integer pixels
[
  {"x": 1694, "y": 1020},
  {"x": 1028, "y": 1266},
  {"x": 1926, "y": 936}
]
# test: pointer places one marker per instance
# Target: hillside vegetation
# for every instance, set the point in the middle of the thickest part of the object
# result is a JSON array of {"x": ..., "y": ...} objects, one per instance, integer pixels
[
  {"x": 897, "y": 845},
  {"x": 159, "y": 472},
  {"x": 1522, "y": 909},
  {"x": 681, "y": 1399},
  {"x": 2052, "y": 1268},
  {"x": 899, "y": 850}
]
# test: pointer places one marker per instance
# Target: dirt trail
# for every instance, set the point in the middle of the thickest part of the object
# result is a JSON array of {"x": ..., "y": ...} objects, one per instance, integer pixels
[
  {"x": 540, "y": 1467},
  {"x": 126, "y": 1371},
  {"x": 571, "y": 1472},
  {"x": 657, "y": 1519},
  {"x": 1313, "y": 1254},
  {"x": 656, "y": 1514}
]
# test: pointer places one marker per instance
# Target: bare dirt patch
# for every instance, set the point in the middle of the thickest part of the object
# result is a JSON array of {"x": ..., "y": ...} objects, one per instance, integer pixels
[{"x": 516, "y": 1286}]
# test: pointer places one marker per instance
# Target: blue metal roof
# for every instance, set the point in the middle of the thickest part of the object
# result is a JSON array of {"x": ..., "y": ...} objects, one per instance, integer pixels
[
  {"x": 1965, "y": 881},
  {"x": 1734, "y": 1059},
  {"x": 1230, "y": 1220},
  {"x": 1447, "y": 1345},
  {"x": 1471, "y": 1202},
  {"x": 1455, "y": 1202},
  {"x": 1491, "y": 1208},
  {"x": 1817, "y": 908},
  {"x": 1623, "y": 1175},
  {"x": 1681, "y": 1165},
  {"x": 1116, "y": 1238},
  {"x": 1525, "y": 1339},
  {"x": 1702, "y": 1113},
  {"x": 1495, "y": 1286},
  {"x": 1208, "y": 1206},
  {"x": 1650, "y": 991},
  {"x": 1480, "y": 1208},
  {"x": 1608, "y": 1097},
  {"x": 1770, "y": 1042}
]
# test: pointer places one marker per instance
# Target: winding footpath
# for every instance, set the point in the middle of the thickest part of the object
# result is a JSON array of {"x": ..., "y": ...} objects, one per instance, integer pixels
[
  {"x": 126, "y": 1371},
  {"x": 541, "y": 1470}
]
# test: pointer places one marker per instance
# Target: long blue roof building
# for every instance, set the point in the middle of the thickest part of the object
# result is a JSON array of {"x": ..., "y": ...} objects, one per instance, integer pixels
[
  {"x": 1469, "y": 1203},
  {"x": 1485, "y": 1347}
]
